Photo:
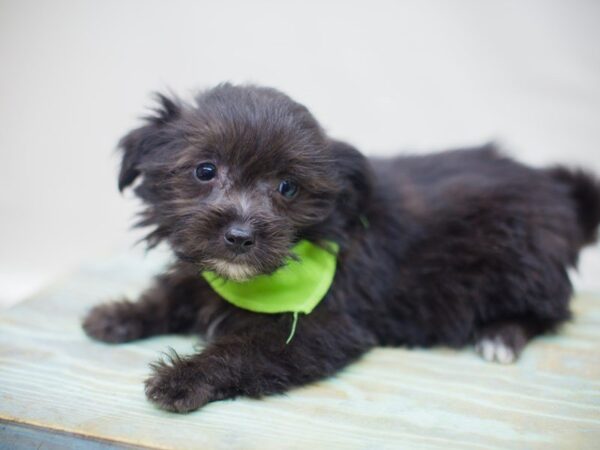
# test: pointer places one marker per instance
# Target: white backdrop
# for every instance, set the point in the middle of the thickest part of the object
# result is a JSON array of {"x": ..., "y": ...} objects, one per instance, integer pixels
[{"x": 384, "y": 75}]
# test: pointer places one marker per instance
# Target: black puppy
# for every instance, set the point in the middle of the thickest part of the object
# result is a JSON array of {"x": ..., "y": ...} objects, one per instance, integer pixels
[{"x": 460, "y": 247}]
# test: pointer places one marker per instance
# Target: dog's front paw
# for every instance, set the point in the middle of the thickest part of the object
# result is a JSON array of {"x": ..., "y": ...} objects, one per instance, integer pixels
[
  {"x": 178, "y": 386},
  {"x": 114, "y": 322}
]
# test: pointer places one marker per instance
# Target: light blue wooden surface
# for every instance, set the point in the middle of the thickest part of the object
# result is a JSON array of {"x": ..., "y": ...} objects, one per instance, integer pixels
[
  {"x": 53, "y": 376},
  {"x": 15, "y": 436}
]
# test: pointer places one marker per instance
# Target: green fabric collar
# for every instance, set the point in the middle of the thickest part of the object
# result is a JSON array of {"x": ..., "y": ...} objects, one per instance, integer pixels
[{"x": 296, "y": 287}]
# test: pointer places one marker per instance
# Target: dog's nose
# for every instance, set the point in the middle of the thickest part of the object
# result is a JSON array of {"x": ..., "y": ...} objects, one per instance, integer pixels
[{"x": 240, "y": 239}]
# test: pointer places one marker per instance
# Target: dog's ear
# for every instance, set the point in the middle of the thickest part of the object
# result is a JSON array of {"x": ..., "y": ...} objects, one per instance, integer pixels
[
  {"x": 138, "y": 144},
  {"x": 356, "y": 178}
]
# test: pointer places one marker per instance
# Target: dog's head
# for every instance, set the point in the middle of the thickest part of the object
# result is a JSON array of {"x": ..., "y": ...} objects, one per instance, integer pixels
[{"x": 233, "y": 180}]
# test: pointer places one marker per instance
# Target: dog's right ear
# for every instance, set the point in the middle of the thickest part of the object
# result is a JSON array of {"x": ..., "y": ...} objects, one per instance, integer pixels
[{"x": 138, "y": 144}]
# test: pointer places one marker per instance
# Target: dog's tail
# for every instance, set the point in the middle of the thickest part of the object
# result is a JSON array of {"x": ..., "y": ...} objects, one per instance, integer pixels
[{"x": 584, "y": 188}]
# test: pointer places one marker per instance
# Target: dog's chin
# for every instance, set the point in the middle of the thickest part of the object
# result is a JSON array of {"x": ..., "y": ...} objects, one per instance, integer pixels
[{"x": 233, "y": 271}]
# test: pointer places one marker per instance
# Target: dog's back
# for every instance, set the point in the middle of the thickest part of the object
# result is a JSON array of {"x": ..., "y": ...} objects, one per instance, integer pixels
[
  {"x": 491, "y": 240},
  {"x": 443, "y": 183}
]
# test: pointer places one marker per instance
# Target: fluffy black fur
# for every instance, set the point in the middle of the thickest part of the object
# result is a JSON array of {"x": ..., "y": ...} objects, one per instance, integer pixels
[{"x": 465, "y": 246}]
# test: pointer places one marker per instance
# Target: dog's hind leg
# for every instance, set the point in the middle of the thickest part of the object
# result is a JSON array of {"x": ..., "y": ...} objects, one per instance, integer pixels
[{"x": 503, "y": 341}]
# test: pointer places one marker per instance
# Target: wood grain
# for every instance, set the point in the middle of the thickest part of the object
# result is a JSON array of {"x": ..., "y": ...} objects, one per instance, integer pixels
[{"x": 53, "y": 376}]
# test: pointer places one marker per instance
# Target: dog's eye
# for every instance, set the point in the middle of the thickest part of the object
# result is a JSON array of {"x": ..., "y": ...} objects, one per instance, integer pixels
[
  {"x": 288, "y": 188},
  {"x": 205, "y": 171}
]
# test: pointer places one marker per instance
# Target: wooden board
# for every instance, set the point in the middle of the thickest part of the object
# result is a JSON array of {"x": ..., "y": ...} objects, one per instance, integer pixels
[{"x": 52, "y": 376}]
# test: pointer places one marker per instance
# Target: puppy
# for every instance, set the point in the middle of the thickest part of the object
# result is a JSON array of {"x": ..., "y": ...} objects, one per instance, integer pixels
[{"x": 456, "y": 248}]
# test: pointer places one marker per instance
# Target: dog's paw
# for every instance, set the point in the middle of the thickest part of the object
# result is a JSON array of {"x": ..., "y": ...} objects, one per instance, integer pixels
[
  {"x": 496, "y": 350},
  {"x": 178, "y": 386},
  {"x": 114, "y": 322},
  {"x": 501, "y": 342}
]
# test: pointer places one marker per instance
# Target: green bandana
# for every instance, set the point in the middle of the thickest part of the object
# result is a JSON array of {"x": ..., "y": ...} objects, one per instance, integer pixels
[{"x": 297, "y": 287}]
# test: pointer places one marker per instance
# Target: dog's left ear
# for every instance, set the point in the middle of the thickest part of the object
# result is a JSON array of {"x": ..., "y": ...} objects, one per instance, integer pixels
[
  {"x": 140, "y": 143},
  {"x": 356, "y": 178}
]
